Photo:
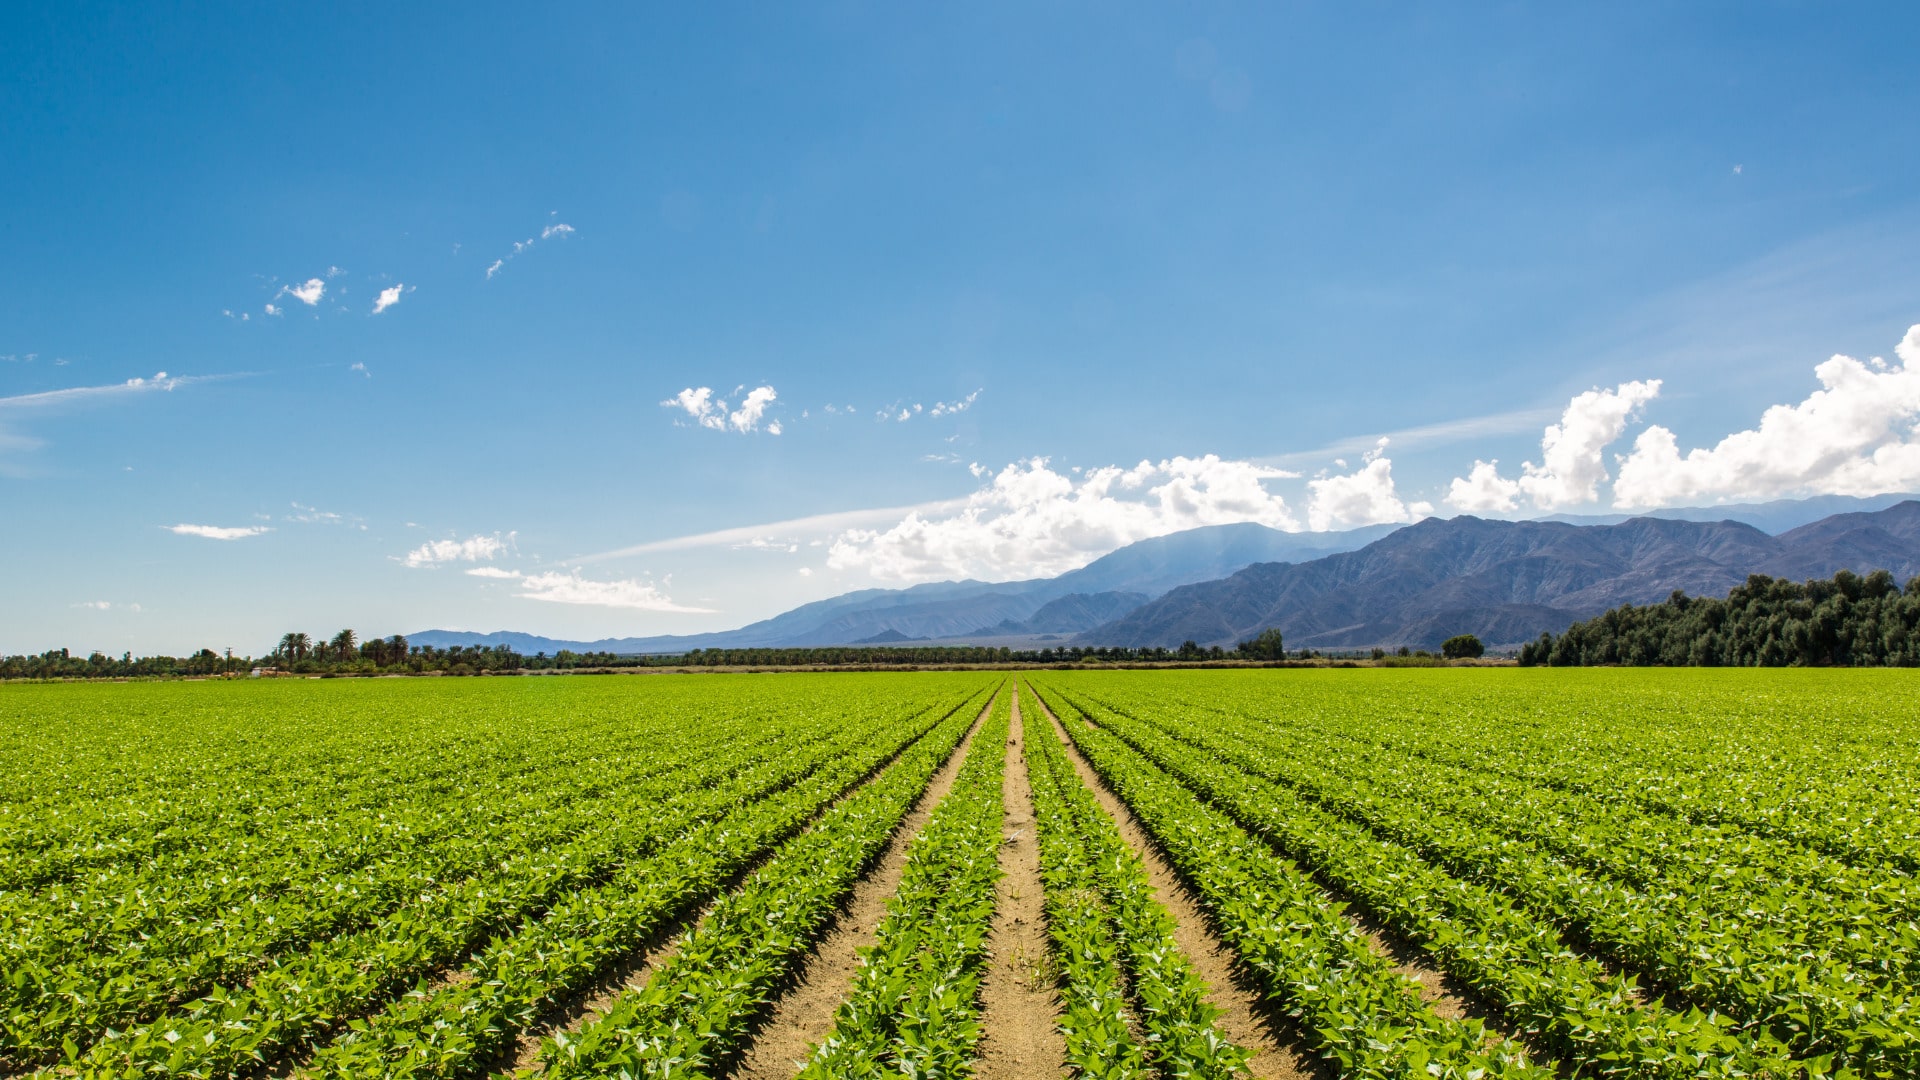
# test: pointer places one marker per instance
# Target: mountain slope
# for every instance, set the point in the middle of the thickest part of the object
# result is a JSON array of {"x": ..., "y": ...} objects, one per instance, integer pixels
[{"x": 1506, "y": 581}]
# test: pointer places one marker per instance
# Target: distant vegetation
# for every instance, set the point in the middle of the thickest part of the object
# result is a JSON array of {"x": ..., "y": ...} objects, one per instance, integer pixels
[{"x": 1846, "y": 621}]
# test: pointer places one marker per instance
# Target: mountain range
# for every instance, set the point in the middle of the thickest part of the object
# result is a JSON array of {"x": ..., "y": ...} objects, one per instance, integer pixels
[{"x": 1387, "y": 585}]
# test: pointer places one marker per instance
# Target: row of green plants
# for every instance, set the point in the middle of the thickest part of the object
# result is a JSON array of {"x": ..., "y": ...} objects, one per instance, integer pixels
[
  {"x": 696, "y": 1012},
  {"x": 1312, "y": 961},
  {"x": 913, "y": 1009},
  {"x": 1511, "y": 956},
  {"x": 113, "y": 950},
  {"x": 302, "y": 997},
  {"x": 338, "y": 870},
  {"x": 1778, "y": 899},
  {"x": 466, "y": 1026},
  {"x": 1119, "y": 965}
]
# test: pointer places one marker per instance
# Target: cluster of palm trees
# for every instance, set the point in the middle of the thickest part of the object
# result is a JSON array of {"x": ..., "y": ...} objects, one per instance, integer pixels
[{"x": 344, "y": 646}]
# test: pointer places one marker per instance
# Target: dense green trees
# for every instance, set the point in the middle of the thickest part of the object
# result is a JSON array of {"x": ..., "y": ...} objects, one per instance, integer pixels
[
  {"x": 1768, "y": 622},
  {"x": 1462, "y": 647}
]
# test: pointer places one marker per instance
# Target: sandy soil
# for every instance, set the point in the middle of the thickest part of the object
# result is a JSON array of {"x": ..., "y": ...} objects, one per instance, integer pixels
[
  {"x": 1019, "y": 1007},
  {"x": 803, "y": 1015}
]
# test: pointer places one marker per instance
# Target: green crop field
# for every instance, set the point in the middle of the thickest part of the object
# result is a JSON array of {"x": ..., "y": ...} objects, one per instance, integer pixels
[{"x": 1412, "y": 873}]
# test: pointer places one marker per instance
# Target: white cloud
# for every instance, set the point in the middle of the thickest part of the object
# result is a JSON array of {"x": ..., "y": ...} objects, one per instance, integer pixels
[
  {"x": 388, "y": 297},
  {"x": 710, "y": 412},
  {"x": 472, "y": 549},
  {"x": 1572, "y": 455},
  {"x": 556, "y": 231},
  {"x": 1859, "y": 434},
  {"x": 95, "y": 605},
  {"x": 561, "y": 588},
  {"x": 747, "y": 416},
  {"x": 361, "y": 368},
  {"x": 946, "y": 408},
  {"x": 334, "y": 272},
  {"x": 218, "y": 532},
  {"x": 161, "y": 381},
  {"x": 1365, "y": 497},
  {"x": 308, "y": 293},
  {"x": 1484, "y": 490},
  {"x": 271, "y": 309},
  {"x": 1031, "y": 520}
]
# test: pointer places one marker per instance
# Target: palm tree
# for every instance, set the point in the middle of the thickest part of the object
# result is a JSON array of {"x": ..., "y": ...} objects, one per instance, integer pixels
[
  {"x": 343, "y": 643},
  {"x": 295, "y": 646}
]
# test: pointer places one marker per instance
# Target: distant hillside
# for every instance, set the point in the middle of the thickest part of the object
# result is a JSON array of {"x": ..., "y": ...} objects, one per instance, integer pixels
[
  {"x": 958, "y": 609},
  {"x": 1507, "y": 581}
]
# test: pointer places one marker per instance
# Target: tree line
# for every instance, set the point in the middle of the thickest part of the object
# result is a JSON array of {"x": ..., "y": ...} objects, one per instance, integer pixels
[{"x": 1844, "y": 621}]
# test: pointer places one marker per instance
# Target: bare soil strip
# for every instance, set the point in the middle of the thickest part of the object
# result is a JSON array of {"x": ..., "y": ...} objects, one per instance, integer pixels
[
  {"x": 1020, "y": 1010},
  {"x": 1243, "y": 1018},
  {"x": 635, "y": 974},
  {"x": 1442, "y": 993},
  {"x": 803, "y": 1015}
]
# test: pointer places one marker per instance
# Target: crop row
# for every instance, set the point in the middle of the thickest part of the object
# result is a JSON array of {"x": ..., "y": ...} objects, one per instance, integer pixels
[
  {"x": 1311, "y": 960},
  {"x": 1761, "y": 988},
  {"x": 1120, "y": 967},
  {"x": 70, "y": 986},
  {"x": 694, "y": 1014},
  {"x": 302, "y": 997},
  {"x": 459, "y": 1029},
  {"x": 913, "y": 1009}
]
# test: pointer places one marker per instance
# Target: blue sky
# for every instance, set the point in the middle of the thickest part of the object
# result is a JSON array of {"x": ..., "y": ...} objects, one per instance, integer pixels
[{"x": 1152, "y": 265}]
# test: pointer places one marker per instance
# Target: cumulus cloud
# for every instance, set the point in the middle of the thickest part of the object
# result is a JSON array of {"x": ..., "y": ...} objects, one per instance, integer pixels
[
  {"x": 1032, "y": 520},
  {"x": 272, "y": 308},
  {"x": 218, "y": 532},
  {"x": 1483, "y": 490},
  {"x": 570, "y": 588},
  {"x": 472, "y": 549},
  {"x": 1859, "y": 434},
  {"x": 1572, "y": 455},
  {"x": 308, "y": 292},
  {"x": 1363, "y": 497},
  {"x": 710, "y": 412},
  {"x": 388, "y": 297}
]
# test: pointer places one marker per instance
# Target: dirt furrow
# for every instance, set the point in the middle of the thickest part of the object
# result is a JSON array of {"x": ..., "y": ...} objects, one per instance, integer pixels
[
  {"x": 1020, "y": 1011},
  {"x": 803, "y": 1016},
  {"x": 1243, "y": 1017}
]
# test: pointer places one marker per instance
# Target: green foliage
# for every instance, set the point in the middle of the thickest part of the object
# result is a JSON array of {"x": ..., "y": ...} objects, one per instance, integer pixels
[
  {"x": 1462, "y": 647},
  {"x": 1848, "y": 621},
  {"x": 1268, "y": 645}
]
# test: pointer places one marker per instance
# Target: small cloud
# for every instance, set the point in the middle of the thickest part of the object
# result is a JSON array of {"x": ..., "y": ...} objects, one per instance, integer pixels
[
  {"x": 473, "y": 549},
  {"x": 217, "y": 532},
  {"x": 558, "y": 229},
  {"x": 361, "y": 368},
  {"x": 1737, "y": 169},
  {"x": 272, "y": 309},
  {"x": 495, "y": 268},
  {"x": 389, "y": 297},
  {"x": 947, "y": 408},
  {"x": 308, "y": 292},
  {"x": 334, "y": 271},
  {"x": 806, "y": 571},
  {"x": 95, "y": 605},
  {"x": 494, "y": 572},
  {"x": 710, "y": 412}
]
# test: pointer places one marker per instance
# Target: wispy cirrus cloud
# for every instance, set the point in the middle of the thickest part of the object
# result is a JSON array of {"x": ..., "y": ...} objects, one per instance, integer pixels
[
  {"x": 553, "y": 230},
  {"x": 557, "y": 587},
  {"x": 218, "y": 532}
]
